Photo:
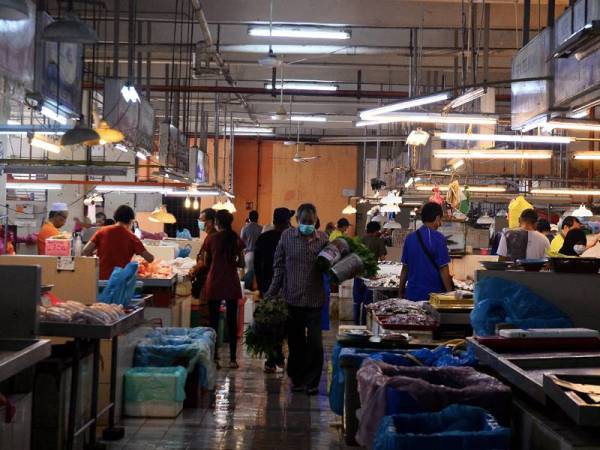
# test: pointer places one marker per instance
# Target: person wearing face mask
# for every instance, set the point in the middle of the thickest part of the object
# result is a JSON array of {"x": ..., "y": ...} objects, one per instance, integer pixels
[
  {"x": 296, "y": 276},
  {"x": 575, "y": 243},
  {"x": 206, "y": 224},
  {"x": 425, "y": 258}
]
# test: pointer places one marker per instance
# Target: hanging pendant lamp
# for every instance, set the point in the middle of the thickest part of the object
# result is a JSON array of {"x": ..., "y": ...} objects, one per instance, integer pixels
[
  {"x": 79, "y": 135},
  {"x": 70, "y": 29},
  {"x": 107, "y": 134},
  {"x": 13, "y": 10},
  {"x": 160, "y": 215}
]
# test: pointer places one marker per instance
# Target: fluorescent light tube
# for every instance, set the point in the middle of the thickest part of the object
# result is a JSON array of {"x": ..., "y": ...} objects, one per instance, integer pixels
[
  {"x": 579, "y": 114},
  {"x": 13, "y": 122},
  {"x": 45, "y": 145},
  {"x": 195, "y": 193},
  {"x": 299, "y": 32},
  {"x": 420, "y": 117},
  {"x": 467, "y": 97},
  {"x": 34, "y": 186},
  {"x": 587, "y": 156},
  {"x": 141, "y": 155},
  {"x": 565, "y": 191},
  {"x": 250, "y": 130},
  {"x": 406, "y": 104},
  {"x": 505, "y": 138},
  {"x": 303, "y": 85},
  {"x": 130, "y": 94},
  {"x": 492, "y": 154},
  {"x": 566, "y": 124},
  {"x": 429, "y": 187},
  {"x": 121, "y": 147},
  {"x": 53, "y": 114},
  {"x": 297, "y": 118},
  {"x": 133, "y": 189},
  {"x": 585, "y": 107}
]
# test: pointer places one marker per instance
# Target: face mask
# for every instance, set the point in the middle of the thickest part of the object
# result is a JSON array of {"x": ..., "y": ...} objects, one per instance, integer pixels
[
  {"x": 579, "y": 249},
  {"x": 201, "y": 225},
  {"x": 306, "y": 230}
]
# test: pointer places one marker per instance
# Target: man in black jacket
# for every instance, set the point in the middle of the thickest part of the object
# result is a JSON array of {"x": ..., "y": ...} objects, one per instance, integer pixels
[{"x": 264, "y": 252}]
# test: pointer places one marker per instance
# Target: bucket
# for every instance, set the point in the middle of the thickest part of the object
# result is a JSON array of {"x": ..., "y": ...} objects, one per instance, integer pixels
[
  {"x": 332, "y": 253},
  {"x": 348, "y": 267}
]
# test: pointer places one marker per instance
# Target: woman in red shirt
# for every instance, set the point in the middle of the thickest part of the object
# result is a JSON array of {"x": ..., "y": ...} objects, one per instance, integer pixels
[
  {"x": 223, "y": 255},
  {"x": 116, "y": 244}
]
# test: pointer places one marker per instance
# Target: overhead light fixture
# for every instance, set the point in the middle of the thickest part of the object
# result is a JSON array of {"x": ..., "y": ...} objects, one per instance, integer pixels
[
  {"x": 108, "y": 135},
  {"x": 426, "y": 117},
  {"x": 582, "y": 211},
  {"x": 54, "y": 114},
  {"x": 417, "y": 137},
  {"x": 196, "y": 204},
  {"x": 406, "y": 104},
  {"x": 23, "y": 130},
  {"x": 130, "y": 94},
  {"x": 133, "y": 189},
  {"x": 565, "y": 191},
  {"x": 161, "y": 215},
  {"x": 429, "y": 187},
  {"x": 299, "y": 32},
  {"x": 467, "y": 97},
  {"x": 349, "y": 209},
  {"x": 298, "y": 118},
  {"x": 34, "y": 186},
  {"x": 79, "y": 135},
  {"x": 249, "y": 130},
  {"x": 13, "y": 122},
  {"x": 566, "y": 124},
  {"x": 187, "y": 203},
  {"x": 141, "y": 155},
  {"x": 303, "y": 85},
  {"x": 44, "y": 145},
  {"x": 579, "y": 114},
  {"x": 587, "y": 156},
  {"x": 13, "y": 10},
  {"x": 536, "y": 122},
  {"x": 391, "y": 198},
  {"x": 121, "y": 147},
  {"x": 281, "y": 113},
  {"x": 390, "y": 209},
  {"x": 583, "y": 110},
  {"x": 492, "y": 154},
  {"x": 69, "y": 29},
  {"x": 505, "y": 138},
  {"x": 195, "y": 193}
]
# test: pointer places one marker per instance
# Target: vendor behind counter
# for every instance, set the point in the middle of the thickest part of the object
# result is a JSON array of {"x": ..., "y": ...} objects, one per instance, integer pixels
[{"x": 59, "y": 212}]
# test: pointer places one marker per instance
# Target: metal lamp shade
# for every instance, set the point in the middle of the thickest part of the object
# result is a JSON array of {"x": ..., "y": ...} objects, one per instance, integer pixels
[
  {"x": 79, "y": 135},
  {"x": 69, "y": 29},
  {"x": 13, "y": 10}
]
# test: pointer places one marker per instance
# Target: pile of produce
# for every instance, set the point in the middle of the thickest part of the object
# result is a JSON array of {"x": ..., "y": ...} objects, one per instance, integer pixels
[
  {"x": 347, "y": 257},
  {"x": 153, "y": 270},
  {"x": 399, "y": 312},
  {"x": 96, "y": 314},
  {"x": 268, "y": 330},
  {"x": 466, "y": 285}
]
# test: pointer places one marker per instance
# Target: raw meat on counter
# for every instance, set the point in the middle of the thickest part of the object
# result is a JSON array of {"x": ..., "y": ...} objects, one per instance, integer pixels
[
  {"x": 399, "y": 312},
  {"x": 97, "y": 314},
  {"x": 152, "y": 270}
]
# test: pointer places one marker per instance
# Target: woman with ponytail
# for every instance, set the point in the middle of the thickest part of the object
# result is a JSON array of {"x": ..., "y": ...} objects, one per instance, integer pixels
[{"x": 223, "y": 255}]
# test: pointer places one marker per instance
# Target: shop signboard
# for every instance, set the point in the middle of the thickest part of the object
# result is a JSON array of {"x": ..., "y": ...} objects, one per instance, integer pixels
[
  {"x": 17, "y": 48},
  {"x": 58, "y": 71}
]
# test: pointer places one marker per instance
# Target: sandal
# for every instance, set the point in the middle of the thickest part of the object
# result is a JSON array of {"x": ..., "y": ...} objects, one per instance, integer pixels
[{"x": 234, "y": 365}]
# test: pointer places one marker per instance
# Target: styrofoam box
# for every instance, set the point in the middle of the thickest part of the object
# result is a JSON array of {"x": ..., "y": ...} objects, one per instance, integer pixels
[{"x": 153, "y": 408}]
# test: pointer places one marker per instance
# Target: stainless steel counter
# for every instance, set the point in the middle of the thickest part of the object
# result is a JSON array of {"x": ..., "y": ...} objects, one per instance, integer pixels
[{"x": 17, "y": 355}]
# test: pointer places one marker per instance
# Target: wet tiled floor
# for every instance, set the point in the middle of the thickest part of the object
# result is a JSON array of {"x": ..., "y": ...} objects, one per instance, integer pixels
[{"x": 252, "y": 410}]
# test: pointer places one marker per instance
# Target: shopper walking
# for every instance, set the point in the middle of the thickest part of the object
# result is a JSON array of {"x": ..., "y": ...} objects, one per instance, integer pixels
[
  {"x": 116, "y": 244},
  {"x": 341, "y": 230},
  {"x": 264, "y": 256},
  {"x": 198, "y": 274},
  {"x": 222, "y": 253},
  {"x": 295, "y": 275},
  {"x": 425, "y": 258},
  {"x": 249, "y": 235}
]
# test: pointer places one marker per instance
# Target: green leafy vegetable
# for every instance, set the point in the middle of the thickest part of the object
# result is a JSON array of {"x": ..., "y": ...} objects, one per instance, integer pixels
[{"x": 268, "y": 331}]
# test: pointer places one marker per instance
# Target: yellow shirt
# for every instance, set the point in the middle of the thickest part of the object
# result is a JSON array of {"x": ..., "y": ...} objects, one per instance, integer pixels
[
  {"x": 335, "y": 234},
  {"x": 556, "y": 245},
  {"x": 47, "y": 230}
]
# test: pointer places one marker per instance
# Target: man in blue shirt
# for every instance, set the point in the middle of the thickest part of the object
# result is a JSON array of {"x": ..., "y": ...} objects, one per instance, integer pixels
[{"x": 425, "y": 258}]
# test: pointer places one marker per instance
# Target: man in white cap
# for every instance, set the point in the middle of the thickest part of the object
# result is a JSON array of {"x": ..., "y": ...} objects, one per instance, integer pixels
[{"x": 56, "y": 219}]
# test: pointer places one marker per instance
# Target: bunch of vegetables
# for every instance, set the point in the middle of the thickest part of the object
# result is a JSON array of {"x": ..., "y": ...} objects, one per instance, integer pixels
[{"x": 268, "y": 331}]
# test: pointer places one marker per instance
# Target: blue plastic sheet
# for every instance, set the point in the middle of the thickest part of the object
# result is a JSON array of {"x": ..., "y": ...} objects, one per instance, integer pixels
[
  {"x": 184, "y": 234},
  {"x": 502, "y": 301},
  {"x": 121, "y": 285},
  {"x": 457, "y": 427},
  {"x": 440, "y": 357}
]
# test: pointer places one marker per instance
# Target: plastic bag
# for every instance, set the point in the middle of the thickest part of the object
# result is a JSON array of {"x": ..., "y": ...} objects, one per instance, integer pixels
[
  {"x": 515, "y": 208},
  {"x": 457, "y": 427},
  {"x": 184, "y": 234},
  {"x": 385, "y": 390},
  {"x": 502, "y": 301},
  {"x": 155, "y": 383},
  {"x": 121, "y": 285}
]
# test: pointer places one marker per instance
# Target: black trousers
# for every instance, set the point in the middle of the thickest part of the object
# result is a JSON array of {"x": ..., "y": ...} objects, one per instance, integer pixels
[
  {"x": 232, "y": 324},
  {"x": 305, "y": 342}
]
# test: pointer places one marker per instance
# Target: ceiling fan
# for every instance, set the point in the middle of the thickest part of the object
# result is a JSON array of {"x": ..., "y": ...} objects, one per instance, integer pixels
[{"x": 298, "y": 158}]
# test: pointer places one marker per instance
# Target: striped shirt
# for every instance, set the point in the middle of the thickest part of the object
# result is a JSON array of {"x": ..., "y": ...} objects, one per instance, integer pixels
[{"x": 295, "y": 274}]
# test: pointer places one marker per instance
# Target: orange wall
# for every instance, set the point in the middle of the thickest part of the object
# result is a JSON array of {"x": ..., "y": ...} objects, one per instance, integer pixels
[{"x": 265, "y": 177}]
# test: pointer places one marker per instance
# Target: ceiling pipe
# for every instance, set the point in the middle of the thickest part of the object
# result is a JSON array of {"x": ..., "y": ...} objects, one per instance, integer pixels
[{"x": 203, "y": 23}]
